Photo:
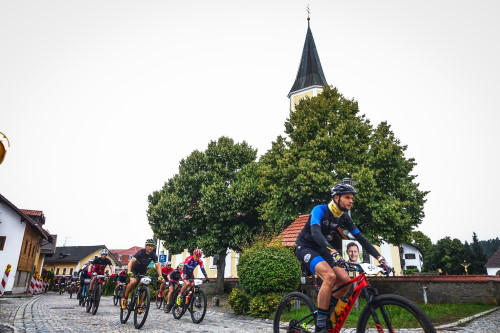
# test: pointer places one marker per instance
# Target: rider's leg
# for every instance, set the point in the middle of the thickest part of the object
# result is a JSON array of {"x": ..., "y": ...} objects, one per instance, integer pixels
[
  {"x": 327, "y": 275},
  {"x": 128, "y": 289}
]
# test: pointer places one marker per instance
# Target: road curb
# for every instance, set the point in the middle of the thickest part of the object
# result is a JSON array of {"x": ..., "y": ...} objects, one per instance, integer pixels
[{"x": 467, "y": 319}]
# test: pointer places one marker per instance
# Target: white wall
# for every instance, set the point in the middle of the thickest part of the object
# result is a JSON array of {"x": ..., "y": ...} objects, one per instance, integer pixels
[
  {"x": 492, "y": 270},
  {"x": 408, "y": 249},
  {"x": 12, "y": 228}
]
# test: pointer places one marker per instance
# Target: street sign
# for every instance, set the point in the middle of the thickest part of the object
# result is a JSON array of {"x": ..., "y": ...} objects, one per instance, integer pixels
[{"x": 163, "y": 258}]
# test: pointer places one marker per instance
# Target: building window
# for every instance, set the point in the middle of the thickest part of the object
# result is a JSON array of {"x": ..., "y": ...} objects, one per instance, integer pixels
[
  {"x": 64, "y": 271},
  {"x": 57, "y": 271},
  {"x": 410, "y": 256},
  {"x": 420, "y": 257},
  {"x": 366, "y": 257},
  {"x": 71, "y": 271},
  {"x": 411, "y": 267},
  {"x": 119, "y": 259},
  {"x": 2, "y": 242},
  {"x": 130, "y": 257}
]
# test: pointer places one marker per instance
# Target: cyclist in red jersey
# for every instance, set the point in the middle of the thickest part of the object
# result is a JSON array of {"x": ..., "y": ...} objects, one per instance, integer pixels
[
  {"x": 164, "y": 272},
  {"x": 99, "y": 265}
]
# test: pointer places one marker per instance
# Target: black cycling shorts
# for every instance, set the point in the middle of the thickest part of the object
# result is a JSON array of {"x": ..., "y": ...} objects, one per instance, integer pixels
[
  {"x": 310, "y": 258},
  {"x": 188, "y": 276}
]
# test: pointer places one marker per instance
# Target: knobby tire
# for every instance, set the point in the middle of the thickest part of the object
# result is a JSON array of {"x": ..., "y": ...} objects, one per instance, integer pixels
[
  {"x": 97, "y": 299},
  {"x": 198, "y": 306},
  {"x": 140, "y": 317},
  {"x": 387, "y": 308},
  {"x": 290, "y": 319}
]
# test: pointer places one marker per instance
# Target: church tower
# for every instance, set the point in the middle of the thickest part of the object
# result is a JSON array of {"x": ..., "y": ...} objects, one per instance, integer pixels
[{"x": 310, "y": 78}]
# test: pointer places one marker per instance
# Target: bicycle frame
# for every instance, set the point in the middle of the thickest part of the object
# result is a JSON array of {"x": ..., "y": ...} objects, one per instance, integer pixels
[{"x": 361, "y": 284}]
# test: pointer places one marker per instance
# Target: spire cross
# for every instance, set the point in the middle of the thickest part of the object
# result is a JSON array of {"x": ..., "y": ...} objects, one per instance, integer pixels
[{"x": 308, "y": 12}]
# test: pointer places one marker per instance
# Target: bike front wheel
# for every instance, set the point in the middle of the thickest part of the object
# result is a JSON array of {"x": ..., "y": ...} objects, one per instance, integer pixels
[
  {"x": 392, "y": 313},
  {"x": 142, "y": 307},
  {"x": 97, "y": 298},
  {"x": 295, "y": 313},
  {"x": 125, "y": 313},
  {"x": 198, "y": 306},
  {"x": 179, "y": 307},
  {"x": 89, "y": 300}
]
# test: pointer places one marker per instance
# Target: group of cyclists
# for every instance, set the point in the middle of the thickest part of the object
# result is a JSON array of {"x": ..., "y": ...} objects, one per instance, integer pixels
[{"x": 316, "y": 249}]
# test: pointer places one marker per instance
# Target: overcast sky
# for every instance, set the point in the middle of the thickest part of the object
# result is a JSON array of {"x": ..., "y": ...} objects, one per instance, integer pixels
[{"x": 102, "y": 99}]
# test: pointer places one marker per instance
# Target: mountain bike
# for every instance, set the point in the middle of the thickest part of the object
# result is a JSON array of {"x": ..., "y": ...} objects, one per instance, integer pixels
[
  {"x": 119, "y": 292},
  {"x": 175, "y": 293},
  {"x": 139, "y": 303},
  {"x": 72, "y": 289},
  {"x": 195, "y": 301},
  {"x": 84, "y": 292},
  {"x": 62, "y": 288},
  {"x": 94, "y": 295},
  {"x": 161, "y": 297},
  {"x": 382, "y": 313}
]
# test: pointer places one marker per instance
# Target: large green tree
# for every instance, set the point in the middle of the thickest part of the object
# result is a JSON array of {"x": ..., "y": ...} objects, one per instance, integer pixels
[
  {"x": 447, "y": 255},
  {"x": 421, "y": 241},
  {"x": 211, "y": 202},
  {"x": 326, "y": 140}
]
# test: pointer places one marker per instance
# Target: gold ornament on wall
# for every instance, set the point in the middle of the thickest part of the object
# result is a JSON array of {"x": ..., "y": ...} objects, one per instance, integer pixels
[{"x": 3, "y": 150}]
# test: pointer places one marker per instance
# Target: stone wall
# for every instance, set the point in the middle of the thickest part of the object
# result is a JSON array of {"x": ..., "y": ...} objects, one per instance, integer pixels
[{"x": 442, "y": 289}]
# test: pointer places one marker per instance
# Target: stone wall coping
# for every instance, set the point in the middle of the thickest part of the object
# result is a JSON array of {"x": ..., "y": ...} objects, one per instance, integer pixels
[{"x": 440, "y": 278}]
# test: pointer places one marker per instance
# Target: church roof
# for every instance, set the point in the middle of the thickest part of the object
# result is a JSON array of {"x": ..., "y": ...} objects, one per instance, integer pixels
[
  {"x": 494, "y": 260},
  {"x": 310, "y": 72}
]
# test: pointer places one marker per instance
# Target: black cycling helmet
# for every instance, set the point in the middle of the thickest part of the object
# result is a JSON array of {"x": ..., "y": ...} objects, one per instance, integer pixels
[
  {"x": 150, "y": 242},
  {"x": 340, "y": 189}
]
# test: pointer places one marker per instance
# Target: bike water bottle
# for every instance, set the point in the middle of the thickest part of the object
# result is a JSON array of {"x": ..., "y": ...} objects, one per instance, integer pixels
[
  {"x": 338, "y": 309},
  {"x": 188, "y": 296}
]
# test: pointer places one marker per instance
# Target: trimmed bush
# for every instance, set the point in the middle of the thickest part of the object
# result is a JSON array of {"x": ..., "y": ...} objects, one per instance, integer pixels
[
  {"x": 268, "y": 269},
  {"x": 239, "y": 301},
  {"x": 263, "y": 306}
]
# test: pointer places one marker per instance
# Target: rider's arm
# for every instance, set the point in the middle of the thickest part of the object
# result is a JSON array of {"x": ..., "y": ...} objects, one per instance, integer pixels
[
  {"x": 131, "y": 263},
  {"x": 204, "y": 271},
  {"x": 316, "y": 215},
  {"x": 158, "y": 269},
  {"x": 360, "y": 238}
]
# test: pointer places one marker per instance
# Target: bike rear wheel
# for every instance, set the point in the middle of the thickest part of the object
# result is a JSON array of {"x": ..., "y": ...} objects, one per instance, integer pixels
[
  {"x": 142, "y": 307},
  {"x": 116, "y": 296},
  {"x": 295, "y": 313},
  {"x": 392, "y": 313},
  {"x": 97, "y": 298},
  {"x": 198, "y": 306}
]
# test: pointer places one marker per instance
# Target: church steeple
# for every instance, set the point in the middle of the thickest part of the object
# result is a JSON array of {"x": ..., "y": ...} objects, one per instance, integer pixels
[{"x": 310, "y": 78}]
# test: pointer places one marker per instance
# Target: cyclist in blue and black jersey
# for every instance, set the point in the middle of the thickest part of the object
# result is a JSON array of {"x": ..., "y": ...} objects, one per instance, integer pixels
[{"x": 316, "y": 248}]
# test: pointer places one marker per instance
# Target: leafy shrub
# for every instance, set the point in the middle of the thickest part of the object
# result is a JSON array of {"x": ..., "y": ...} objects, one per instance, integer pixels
[
  {"x": 239, "y": 301},
  {"x": 268, "y": 269},
  {"x": 263, "y": 306}
]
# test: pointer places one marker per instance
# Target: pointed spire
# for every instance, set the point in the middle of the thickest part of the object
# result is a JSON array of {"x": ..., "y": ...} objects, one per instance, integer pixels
[{"x": 310, "y": 72}]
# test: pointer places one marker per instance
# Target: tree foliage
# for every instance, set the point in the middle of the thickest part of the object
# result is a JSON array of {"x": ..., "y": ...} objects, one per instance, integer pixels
[
  {"x": 477, "y": 258},
  {"x": 446, "y": 255},
  {"x": 421, "y": 241},
  {"x": 211, "y": 202},
  {"x": 326, "y": 140}
]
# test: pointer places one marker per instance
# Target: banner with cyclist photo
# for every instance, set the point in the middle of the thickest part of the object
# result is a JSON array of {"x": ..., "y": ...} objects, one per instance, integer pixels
[{"x": 352, "y": 251}]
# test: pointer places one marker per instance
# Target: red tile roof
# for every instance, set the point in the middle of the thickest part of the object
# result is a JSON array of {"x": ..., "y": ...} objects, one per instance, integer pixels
[
  {"x": 125, "y": 253},
  {"x": 289, "y": 235}
]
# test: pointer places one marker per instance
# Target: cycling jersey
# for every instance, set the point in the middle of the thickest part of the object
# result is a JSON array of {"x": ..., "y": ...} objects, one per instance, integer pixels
[
  {"x": 122, "y": 277},
  {"x": 99, "y": 265},
  {"x": 143, "y": 259},
  {"x": 320, "y": 236},
  {"x": 190, "y": 264},
  {"x": 165, "y": 271},
  {"x": 176, "y": 275}
]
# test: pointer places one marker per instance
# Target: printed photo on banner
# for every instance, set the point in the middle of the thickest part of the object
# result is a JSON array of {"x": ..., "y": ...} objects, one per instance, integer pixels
[{"x": 352, "y": 251}]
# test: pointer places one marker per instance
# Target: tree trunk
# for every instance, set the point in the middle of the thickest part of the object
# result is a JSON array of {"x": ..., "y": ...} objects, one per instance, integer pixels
[{"x": 221, "y": 267}]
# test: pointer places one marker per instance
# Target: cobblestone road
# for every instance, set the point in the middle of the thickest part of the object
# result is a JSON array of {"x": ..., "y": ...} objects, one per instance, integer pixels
[{"x": 51, "y": 312}]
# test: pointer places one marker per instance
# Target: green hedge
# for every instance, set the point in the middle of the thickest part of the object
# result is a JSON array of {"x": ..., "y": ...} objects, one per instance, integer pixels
[{"x": 268, "y": 269}]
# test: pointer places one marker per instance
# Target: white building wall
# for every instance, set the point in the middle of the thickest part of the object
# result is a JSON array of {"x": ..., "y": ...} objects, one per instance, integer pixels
[
  {"x": 409, "y": 249},
  {"x": 13, "y": 229},
  {"x": 492, "y": 270}
]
